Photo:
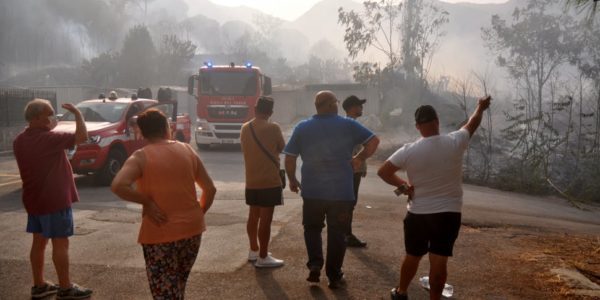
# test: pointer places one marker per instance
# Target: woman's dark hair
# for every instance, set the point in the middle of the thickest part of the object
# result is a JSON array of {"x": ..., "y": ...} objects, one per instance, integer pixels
[{"x": 152, "y": 123}]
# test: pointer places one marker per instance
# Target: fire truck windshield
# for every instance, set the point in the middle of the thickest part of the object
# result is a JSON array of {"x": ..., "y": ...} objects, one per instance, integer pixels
[
  {"x": 98, "y": 111},
  {"x": 228, "y": 83}
]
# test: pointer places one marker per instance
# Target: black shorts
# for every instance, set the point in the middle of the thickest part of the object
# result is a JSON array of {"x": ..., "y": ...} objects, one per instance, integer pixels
[
  {"x": 264, "y": 197},
  {"x": 434, "y": 233}
]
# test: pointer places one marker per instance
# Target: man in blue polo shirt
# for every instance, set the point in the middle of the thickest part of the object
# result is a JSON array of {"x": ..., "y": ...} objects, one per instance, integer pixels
[{"x": 325, "y": 143}]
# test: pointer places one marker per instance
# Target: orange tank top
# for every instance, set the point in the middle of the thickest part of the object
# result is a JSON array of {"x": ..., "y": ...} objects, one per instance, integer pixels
[{"x": 168, "y": 178}]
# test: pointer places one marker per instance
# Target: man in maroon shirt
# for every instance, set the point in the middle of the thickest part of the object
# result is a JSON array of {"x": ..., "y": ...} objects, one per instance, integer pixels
[{"x": 48, "y": 191}]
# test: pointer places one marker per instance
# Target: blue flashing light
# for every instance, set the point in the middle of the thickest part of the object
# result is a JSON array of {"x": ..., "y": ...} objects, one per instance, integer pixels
[
  {"x": 208, "y": 64},
  {"x": 248, "y": 65}
]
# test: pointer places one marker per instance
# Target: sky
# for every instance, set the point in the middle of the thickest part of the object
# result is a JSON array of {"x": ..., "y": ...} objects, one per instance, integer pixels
[{"x": 292, "y": 9}]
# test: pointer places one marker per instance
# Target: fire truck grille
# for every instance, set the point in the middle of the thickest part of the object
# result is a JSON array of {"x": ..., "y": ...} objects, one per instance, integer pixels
[
  {"x": 228, "y": 127},
  {"x": 227, "y": 135},
  {"x": 227, "y": 112}
]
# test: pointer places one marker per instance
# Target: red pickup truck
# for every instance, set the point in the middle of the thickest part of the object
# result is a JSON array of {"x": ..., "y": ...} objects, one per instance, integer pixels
[{"x": 113, "y": 133}]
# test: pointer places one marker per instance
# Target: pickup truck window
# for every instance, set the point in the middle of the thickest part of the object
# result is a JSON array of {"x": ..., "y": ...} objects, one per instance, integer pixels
[
  {"x": 98, "y": 112},
  {"x": 228, "y": 83},
  {"x": 166, "y": 108}
]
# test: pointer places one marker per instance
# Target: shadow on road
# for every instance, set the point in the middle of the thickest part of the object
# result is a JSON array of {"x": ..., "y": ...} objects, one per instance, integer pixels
[
  {"x": 269, "y": 285},
  {"x": 382, "y": 269}
]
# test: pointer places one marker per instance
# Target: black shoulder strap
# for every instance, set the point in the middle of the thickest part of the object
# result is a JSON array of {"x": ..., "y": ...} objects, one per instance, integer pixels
[{"x": 261, "y": 146}]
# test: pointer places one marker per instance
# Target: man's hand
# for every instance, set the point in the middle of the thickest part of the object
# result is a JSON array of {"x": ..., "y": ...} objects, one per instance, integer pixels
[
  {"x": 410, "y": 192},
  {"x": 70, "y": 107},
  {"x": 484, "y": 102},
  {"x": 357, "y": 163},
  {"x": 154, "y": 212},
  {"x": 294, "y": 185},
  {"x": 406, "y": 189}
]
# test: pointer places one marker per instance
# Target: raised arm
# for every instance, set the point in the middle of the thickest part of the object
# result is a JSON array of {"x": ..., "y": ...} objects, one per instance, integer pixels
[
  {"x": 81, "y": 134},
  {"x": 475, "y": 119}
]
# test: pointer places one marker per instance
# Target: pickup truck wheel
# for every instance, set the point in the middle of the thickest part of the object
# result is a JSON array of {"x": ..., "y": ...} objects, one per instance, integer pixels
[
  {"x": 180, "y": 137},
  {"x": 111, "y": 167}
]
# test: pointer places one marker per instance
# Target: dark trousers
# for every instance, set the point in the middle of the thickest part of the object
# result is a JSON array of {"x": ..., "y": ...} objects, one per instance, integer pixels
[
  {"x": 357, "y": 178},
  {"x": 337, "y": 214}
]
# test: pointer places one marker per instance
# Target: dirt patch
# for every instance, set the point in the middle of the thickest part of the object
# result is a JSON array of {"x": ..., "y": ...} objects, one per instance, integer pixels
[
  {"x": 535, "y": 264},
  {"x": 580, "y": 255}
]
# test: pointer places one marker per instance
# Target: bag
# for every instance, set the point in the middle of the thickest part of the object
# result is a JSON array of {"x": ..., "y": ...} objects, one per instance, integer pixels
[
  {"x": 282, "y": 175},
  {"x": 281, "y": 172}
]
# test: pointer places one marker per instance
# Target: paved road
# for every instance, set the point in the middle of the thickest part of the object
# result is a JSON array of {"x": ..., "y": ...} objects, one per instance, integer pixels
[{"x": 104, "y": 248}]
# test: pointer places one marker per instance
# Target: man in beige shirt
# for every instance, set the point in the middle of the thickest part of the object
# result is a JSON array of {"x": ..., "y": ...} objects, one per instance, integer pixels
[{"x": 262, "y": 142}]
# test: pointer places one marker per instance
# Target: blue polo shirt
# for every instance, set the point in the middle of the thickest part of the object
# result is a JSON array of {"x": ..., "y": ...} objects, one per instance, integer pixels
[{"x": 325, "y": 143}]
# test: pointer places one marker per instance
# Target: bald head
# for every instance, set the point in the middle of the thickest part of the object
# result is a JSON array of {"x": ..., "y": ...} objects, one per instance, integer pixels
[
  {"x": 326, "y": 102},
  {"x": 35, "y": 108}
]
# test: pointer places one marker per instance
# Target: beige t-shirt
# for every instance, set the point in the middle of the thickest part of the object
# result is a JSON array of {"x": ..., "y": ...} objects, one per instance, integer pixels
[{"x": 261, "y": 172}]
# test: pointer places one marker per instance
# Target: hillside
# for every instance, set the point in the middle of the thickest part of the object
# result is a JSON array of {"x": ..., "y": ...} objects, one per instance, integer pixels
[{"x": 460, "y": 51}]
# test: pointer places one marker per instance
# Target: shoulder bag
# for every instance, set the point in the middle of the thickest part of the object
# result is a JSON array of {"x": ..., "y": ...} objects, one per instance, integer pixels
[{"x": 281, "y": 172}]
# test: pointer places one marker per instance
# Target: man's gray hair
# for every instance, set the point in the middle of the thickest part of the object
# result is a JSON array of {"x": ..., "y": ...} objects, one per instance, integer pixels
[{"x": 35, "y": 107}]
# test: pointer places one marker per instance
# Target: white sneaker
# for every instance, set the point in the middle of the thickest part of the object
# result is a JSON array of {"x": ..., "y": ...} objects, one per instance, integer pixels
[
  {"x": 268, "y": 262},
  {"x": 253, "y": 255}
]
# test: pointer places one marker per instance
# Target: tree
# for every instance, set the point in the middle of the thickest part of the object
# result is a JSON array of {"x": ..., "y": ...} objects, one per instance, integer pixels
[
  {"x": 421, "y": 33},
  {"x": 205, "y": 33},
  {"x": 174, "y": 55},
  {"x": 377, "y": 28},
  {"x": 264, "y": 36},
  {"x": 137, "y": 62},
  {"x": 589, "y": 66},
  {"x": 590, "y": 5},
  {"x": 533, "y": 48},
  {"x": 102, "y": 69},
  {"x": 462, "y": 92}
]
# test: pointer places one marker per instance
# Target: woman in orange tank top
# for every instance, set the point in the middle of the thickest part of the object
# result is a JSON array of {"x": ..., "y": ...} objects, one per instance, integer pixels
[{"x": 165, "y": 173}]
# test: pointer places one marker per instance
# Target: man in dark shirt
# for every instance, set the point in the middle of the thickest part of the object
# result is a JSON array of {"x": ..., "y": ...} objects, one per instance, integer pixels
[{"x": 48, "y": 191}]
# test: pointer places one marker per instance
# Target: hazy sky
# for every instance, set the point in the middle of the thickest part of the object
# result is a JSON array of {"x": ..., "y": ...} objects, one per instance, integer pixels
[{"x": 292, "y": 9}]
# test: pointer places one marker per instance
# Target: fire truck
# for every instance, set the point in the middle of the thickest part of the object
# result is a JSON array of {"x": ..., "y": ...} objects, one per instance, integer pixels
[
  {"x": 113, "y": 134},
  {"x": 226, "y": 96}
]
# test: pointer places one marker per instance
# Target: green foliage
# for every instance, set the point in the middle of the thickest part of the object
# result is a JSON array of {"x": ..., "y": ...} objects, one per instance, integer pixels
[
  {"x": 421, "y": 32},
  {"x": 137, "y": 63},
  {"x": 102, "y": 69},
  {"x": 379, "y": 27},
  {"x": 588, "y": 6},
  {"x": 175, "y": 54},
  {"x": 522, "y": 176},
  {"x": 549, "y": 136},
  {"x": 376, "y": 28},
  {"x": 585, "y": 183},
  {"x": 534, "y": 44}
]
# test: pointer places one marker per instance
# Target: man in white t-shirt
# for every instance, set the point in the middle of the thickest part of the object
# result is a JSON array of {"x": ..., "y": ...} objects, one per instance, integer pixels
[{"x": 433, "y": 165}]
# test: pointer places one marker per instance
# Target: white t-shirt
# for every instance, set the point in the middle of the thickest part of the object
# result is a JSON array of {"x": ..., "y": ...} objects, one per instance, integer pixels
[{"x": 434, "y": 168}]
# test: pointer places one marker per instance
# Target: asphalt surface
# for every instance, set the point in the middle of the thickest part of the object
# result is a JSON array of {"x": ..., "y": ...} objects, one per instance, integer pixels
[{"x": 105, "y": 256}]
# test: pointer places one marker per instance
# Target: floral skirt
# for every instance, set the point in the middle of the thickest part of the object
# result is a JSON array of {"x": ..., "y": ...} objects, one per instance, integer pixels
[{"x": 168, "y": 266}]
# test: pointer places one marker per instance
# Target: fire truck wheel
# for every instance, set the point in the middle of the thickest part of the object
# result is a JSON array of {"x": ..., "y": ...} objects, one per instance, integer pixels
[
  {"x": 203, "y": 146},
  {"x": 111, "y": 167}
]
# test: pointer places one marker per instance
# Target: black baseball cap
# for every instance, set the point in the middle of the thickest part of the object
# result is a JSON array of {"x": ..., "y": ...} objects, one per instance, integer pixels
[
  {"x": 265, "y": 104},
  {"x": 424, "y": 114},
  {"x": 352, "y": 101}
]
